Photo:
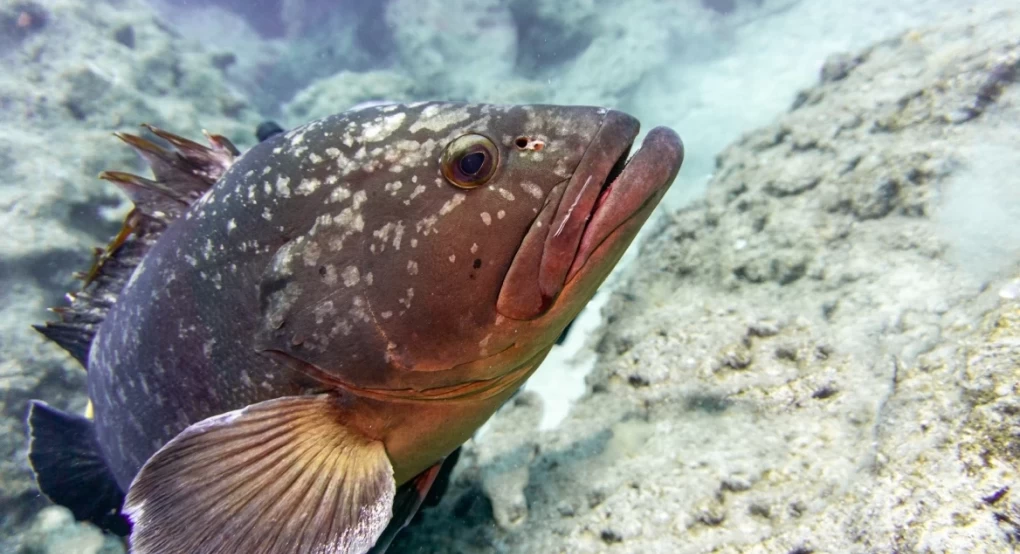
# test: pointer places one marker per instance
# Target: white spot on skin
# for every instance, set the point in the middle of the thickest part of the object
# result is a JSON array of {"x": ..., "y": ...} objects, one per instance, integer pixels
[
  {"x": 297, "y": 137},
  {"x": 501, "y": 214},
  {"x": 359, "y": 198},
  {"x": 453, "y": 258},
  {"x": 398, "y": 235},
  {"x": 315, "y": 158},
  {"x": 231, "y": 225},
  {"x": 311, "y": 254},
  {"x": 351, "y": 276},
  {"x": 417, "y": 190},
  {"x": 486, "y": 218},
  {"x": 330, "y": 277},
  {"x": 207, "y": 347},
  {"x": 406, "y": 302},
  {"x": 383, "y": 233},
  {"x": 339, "y": 194},
  {"x": 324, "y": 310},
  {"x": 506, "y": 194},
  {"x": 412, "y": 267},
  {"x": 283, "y": 186},
  {"x": 434, "y": 119},
  {"x": 452, "y": 203},
  {"x": 307, "y": 186},
  {"x": 561, "y": 169},
  {"x": 532, "y": 189},
  {"x": 426, "y": 225},
  {"x": 474, "y": 247},
  {"x": 358, "y": 310},
  {"x": 381, "y": 130}
]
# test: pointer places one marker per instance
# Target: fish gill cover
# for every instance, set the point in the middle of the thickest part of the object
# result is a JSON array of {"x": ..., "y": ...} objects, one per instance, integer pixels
[{"x": 76, "y": 71}]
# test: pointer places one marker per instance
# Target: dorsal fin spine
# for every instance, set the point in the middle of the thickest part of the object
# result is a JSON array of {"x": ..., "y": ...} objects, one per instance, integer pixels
[{"x": 180, "y": 176}]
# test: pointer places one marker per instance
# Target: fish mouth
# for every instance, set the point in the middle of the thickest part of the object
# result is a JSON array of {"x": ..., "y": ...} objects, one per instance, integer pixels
[{"x": 582, "y": 215}]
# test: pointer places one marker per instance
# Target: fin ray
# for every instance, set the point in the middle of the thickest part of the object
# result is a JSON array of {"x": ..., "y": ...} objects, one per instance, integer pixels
[
  {"x": 181, "y": 176},
  {"x": 219, "y": 486}
]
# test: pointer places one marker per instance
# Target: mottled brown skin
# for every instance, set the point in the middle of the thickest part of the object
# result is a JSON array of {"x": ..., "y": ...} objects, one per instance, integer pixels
[{"x": 289, "y": 277}]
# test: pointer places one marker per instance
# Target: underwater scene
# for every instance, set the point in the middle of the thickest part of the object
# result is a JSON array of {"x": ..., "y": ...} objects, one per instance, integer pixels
[{"x": 509, "y": 276}]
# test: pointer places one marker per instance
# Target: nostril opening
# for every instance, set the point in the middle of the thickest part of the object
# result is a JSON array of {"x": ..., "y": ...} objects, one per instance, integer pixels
[{"x": 521, "y": 142}]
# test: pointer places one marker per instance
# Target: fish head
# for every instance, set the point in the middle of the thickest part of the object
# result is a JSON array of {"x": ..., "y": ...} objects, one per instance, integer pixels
[{"x": 452, "y": 242}]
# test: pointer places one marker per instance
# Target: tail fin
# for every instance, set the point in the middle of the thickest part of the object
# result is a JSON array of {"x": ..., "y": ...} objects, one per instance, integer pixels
[{"x": 70, "y": 470}]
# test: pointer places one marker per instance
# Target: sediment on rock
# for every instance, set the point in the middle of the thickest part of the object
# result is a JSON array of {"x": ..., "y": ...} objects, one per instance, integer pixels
[{"x": 809, "y": 359}]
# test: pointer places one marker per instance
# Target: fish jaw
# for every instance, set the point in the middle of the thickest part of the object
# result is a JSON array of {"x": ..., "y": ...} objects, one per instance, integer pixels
[
  {"x": 604, "y": 193},
  {"x": 632, "y": 195}
]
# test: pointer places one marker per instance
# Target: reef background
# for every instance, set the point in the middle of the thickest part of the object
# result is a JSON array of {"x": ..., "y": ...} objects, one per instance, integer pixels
[{"x": 814, "y": 350}]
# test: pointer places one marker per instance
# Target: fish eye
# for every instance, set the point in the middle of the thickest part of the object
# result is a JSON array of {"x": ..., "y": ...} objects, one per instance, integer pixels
[{"x": 470, "y": 161}]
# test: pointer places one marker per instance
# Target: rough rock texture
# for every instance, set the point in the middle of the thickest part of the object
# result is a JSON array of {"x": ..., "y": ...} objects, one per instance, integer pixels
[
  {"x": 579, "y": 51},
  {"x": 345, "y": 89},
  {"x": 94, "y": 68},
  {"x": 454, "y": 46},
  {"x": 54, "y": 531},
  {"x": 809, "y": 360},
  {"x": 575, "y": 52},
  {"x": 595, "y": 43}
]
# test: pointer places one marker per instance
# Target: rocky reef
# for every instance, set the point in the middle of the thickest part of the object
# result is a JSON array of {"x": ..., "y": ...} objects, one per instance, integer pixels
[
  {"x": 58, "y": 110},
  {"x": 818, "y": 356},
  {"x": 814, "y": 358}
]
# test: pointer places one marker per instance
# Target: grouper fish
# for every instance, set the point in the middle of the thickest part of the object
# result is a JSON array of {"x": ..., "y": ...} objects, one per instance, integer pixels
[{"x": 283, "y": 346}]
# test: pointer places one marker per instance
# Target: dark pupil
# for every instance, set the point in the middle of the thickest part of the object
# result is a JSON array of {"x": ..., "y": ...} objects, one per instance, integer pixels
[{"x": 472, "y": 163}]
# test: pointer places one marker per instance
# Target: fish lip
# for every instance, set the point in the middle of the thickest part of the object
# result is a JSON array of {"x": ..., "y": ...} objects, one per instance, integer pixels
[
  {"x": 631, "y": 191},
  {"x": 607, "y": 152},
  {"x": 583, "y": 213}
]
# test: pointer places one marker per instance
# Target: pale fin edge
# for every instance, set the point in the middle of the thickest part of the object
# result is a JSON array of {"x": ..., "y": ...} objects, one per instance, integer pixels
[
  {"x": 285, "y": 475},
  {"x": 406, "y": 503},
  {"x": 181, "y": 176}
]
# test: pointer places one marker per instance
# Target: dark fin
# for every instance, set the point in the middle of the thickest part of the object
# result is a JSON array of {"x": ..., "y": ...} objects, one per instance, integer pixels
[
  {"x": 408, "y": 499},
  {"x": 563, "y": 336},
  {"x": 267, "y": 130},
  {"x": 181, "y": 176},
  {"x": 285, "y": 475},
  {"x": 69, "y": 469},
  {"x": 442, "y": 482}
]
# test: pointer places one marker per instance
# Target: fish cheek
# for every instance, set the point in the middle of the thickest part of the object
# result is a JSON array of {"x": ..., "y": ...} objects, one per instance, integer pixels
[{"x": 307, "y": 312}]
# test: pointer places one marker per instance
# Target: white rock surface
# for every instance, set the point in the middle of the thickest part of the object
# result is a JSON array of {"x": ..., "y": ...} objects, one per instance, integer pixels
[{"x": 809, "y": 360}]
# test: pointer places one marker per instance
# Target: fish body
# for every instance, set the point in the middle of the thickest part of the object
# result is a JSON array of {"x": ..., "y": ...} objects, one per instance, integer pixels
[{"x": 344, "y": 307}]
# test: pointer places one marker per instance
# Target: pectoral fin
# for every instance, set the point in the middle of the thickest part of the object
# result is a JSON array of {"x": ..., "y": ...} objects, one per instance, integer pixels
[
  {"x": 285, "y": 475},
  {"x": 408, "y": 499}
]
